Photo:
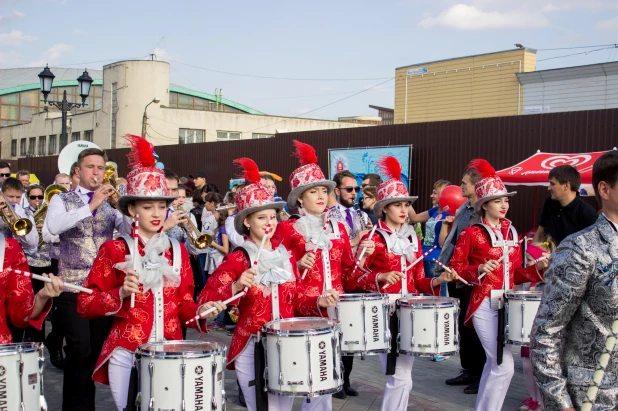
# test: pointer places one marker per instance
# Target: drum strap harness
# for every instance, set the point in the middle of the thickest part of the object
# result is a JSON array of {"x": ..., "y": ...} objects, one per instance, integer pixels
[
  {"x": 2, "y": 247},
  {"x": 335, "y": 235},
  {"x": 158, "y": 333},
  {"x": 394, "y": 244},
  {"x": 497, "y": 296}
]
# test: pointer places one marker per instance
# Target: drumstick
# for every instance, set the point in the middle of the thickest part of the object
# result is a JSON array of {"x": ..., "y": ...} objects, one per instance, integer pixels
[
  {"x": 414, "y": 263},
  {"x": 212, "y": 309},
  {"x": 317, "y": 244},
  {"x": 362, "y": 253},
  {"x": 135, "y": 254},
  {"x": 48, "y": 280},
  {"x": 448, "y": 270}
]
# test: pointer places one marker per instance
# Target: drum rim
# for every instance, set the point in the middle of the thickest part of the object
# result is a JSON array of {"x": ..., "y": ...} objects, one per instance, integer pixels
[
  {"x": 363, "y": 296},
  {"x": 415, "y": 354},
  {"x": 365, "y": 352},
  {"x": 32, "y": 347},
  {"x": 448, "y": 302},
  {"x": 515, "y": 295},
  {"x": 304, "y": 393},
  {"x": 143, "y": 350},
  {"x": 317, "y": 331}
]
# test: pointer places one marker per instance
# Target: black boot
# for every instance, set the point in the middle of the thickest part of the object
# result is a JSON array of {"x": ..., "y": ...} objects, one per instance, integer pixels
[
  {"x": 55, "y": 356},
  {"x": 241, "y": 396}
]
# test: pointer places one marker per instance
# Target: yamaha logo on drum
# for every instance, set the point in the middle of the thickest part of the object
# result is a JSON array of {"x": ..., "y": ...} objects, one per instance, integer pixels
[
  {"x": 375, "y": 325},
  {"x": 199, "y": 388},
  {"x": 447, "y": 329},
  {"x": 323, "y": 362},
  {"x": 3, "y": 391}
]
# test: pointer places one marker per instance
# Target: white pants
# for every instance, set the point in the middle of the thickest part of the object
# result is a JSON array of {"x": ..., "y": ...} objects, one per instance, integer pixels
[
  {"x": 245, "y": 372},
  {"x": 398, "y": 385},
  {"x": 496, "y": 378},
  {"x": 119, "y": 373}
]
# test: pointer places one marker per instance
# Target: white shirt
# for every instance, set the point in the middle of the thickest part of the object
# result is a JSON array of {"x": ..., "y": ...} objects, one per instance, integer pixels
[
  {"x": 59, "y": 220},
  {"x": 232, "y": 235},
  {"x": 23, "y": 203}
]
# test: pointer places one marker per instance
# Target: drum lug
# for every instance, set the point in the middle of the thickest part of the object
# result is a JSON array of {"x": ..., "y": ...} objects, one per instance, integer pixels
[
  {"x": 523, "y": 320},
  {"x": 435, "y": 316},
  {"x": 183, "y": 367},
  {"x": 42, "y": 400},
  {"x": 22, "y": 406},
  {"x": 387, "y": 329},
  {"x": 280, "y": 369},
  {"x": 223, "y": 397},
  {"x": 506, "y": 331},
  {"x": 151, "y": 403},
  {"x": 412, "y": 328},
  {"x": 309, "y": 363},
  {"x": 214, "y": 383},
  {"x": 363, "y": 319},
  {"x": 456, "y": 323}
]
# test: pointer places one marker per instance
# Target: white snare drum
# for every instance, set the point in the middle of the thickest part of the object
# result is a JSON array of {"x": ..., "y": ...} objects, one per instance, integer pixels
[
  {"x": 364, "y": 323},
  {"x": 21, "y": 377},
  {"x": 178, "y": 375},
  {"x": 303, "y": 357},
  {"x": 428, "y": 326},
  {"x": 520, "y": 308}
]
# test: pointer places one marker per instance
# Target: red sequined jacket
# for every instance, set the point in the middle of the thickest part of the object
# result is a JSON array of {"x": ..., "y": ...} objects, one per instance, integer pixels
[
  {"x": 255, "y": 309},
  {"x": 340, "y": 253},
  {"x": 384, "y": 261},
  {"x": 132, "y": 326},
  {"x": 16, "y": 296},
  {"x": 473, "y": 249}
]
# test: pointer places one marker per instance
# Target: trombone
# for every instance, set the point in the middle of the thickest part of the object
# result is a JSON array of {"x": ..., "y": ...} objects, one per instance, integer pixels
[
  {"x": 20, "y": 227},
  {"x": 41, "y": 213},
  {"x": 199, "y": 240}
]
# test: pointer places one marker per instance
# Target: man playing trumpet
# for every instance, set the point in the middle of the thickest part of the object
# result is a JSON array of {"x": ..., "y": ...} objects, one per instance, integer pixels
[
  {"x": 12, "y": 224},
  {"x": 83, "y": 219}
]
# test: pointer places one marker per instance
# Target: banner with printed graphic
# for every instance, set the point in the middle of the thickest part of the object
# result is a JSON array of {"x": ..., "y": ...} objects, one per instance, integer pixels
[
  {"x": 534, "y": 170},
  {"x": 362, "y": 160}
]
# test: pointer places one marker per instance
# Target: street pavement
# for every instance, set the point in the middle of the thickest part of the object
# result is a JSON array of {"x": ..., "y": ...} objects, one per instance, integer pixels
[{"x": 429, "y": 392}]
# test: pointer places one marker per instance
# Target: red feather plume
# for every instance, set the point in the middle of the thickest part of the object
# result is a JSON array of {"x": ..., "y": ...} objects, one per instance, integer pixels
[
  {"x": 484, "y": 168},
  {"x": 142, "y": 152},
  {"x": 305, "y": 153},
  {"x": 389, "y": 166},
  {"x": 250, "y": 170}
]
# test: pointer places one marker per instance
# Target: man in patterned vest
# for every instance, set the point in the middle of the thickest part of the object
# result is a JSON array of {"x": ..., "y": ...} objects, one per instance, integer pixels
[{"x": 83, "y": 220}]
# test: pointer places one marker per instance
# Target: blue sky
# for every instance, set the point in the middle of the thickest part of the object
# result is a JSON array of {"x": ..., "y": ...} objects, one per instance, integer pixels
[{"x": 362, "y": 41}]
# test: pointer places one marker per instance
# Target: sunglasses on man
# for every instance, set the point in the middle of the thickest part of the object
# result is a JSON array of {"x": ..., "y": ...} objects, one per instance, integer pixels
[
  {"x": 349, "y": 189},
  {"x": 5, "y": 175},
  {"x": 36, "y": 197}
]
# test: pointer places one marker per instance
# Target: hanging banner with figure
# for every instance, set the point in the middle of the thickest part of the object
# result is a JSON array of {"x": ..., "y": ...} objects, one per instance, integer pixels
[{"x": 362, "y": 160}]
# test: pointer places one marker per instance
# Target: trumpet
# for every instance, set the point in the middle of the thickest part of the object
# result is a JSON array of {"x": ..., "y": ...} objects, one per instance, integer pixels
[
  {"x": 199, "y": 240},
  {"x": 41, "y": 213},
  {"x": 108, "y": 178},
  {"x": 19, "y": 226}
]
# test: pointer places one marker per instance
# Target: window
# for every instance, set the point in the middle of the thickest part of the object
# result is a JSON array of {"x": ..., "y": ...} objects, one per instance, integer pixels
[
  {"x": 228, "y": 135},
  {"x": 75, "y": 136},
  {"x": 42, "y": 145},
  {"x": 51, "y": 144},
  {"x": 188, "y": 136},
  {"x": 22, "y": 147},
  {"x": 13, "y": 148},
  {"x": 88, "y": 135},
  {"x": 114, "y": 111},
  {"x": 63, "y": 141},
  {"x": 32, "y": 146},
  {"x": 259, "y": 135}
]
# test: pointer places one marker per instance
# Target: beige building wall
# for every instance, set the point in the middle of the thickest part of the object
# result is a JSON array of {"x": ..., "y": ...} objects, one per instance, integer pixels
[{"x": 462, "y": 88}]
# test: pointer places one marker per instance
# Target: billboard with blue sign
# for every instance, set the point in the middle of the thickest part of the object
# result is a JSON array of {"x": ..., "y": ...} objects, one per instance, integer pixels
[{"x": 362, "y": 160}]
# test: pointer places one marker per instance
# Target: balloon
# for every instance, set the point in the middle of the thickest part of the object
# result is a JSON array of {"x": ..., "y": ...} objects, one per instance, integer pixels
[
  {"x": 160, "y": 165},
  {"x": 451, "y": 199}
]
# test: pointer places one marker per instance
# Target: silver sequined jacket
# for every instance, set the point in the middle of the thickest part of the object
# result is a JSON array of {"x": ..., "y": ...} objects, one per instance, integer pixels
[{"x": 575, "y": 317}]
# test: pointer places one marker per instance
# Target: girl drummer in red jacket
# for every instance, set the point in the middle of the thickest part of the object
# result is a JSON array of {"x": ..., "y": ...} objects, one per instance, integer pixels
[
  {"x": 396, "y": 246},
  {"x": 478, "y": 257},
  {"x": 164, "y": 290},
  {"x": 276, "y": 273}
]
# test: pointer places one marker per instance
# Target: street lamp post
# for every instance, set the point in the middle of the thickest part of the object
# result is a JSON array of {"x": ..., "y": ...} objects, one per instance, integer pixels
[
  {"x": 84, "y": 81},
  {"x": 145, "y": 117}
]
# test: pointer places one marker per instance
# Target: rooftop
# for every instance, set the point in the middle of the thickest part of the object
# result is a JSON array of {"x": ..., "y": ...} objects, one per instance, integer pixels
[{"x": 529, "y": 50}]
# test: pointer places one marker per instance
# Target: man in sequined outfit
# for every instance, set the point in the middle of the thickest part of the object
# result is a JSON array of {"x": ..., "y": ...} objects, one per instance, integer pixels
[{"x": 579, "y": 305}]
